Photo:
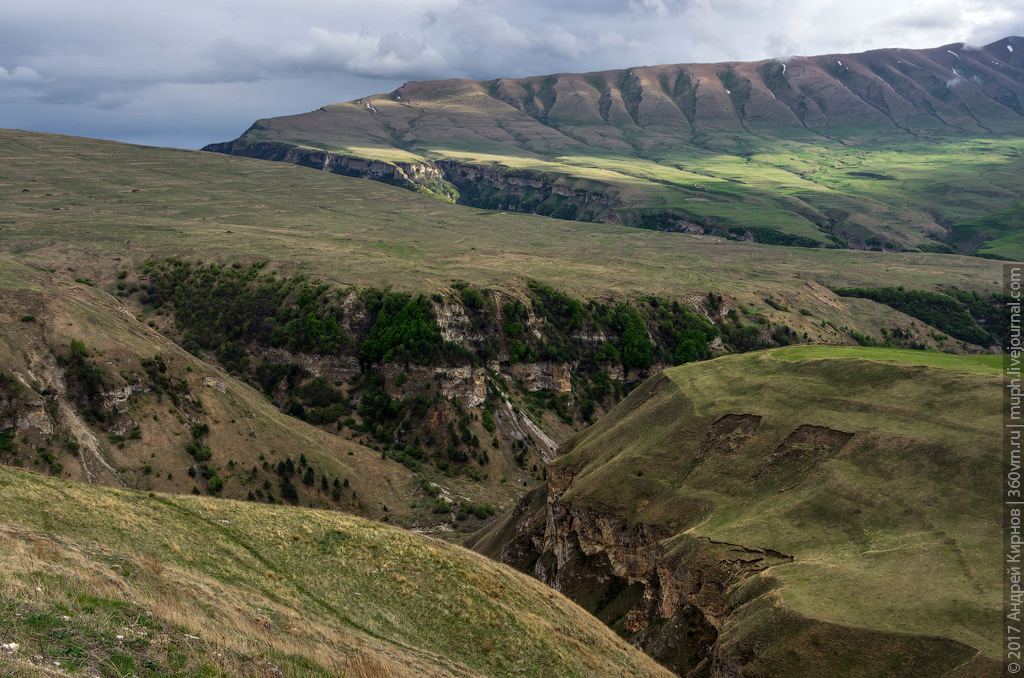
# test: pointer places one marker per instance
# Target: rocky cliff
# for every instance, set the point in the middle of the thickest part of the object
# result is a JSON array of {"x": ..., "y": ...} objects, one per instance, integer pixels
[
  {"x": 468, "y": 184},
  {"x": 416, "y": 176},
  {"x": 696, "y": 517}
]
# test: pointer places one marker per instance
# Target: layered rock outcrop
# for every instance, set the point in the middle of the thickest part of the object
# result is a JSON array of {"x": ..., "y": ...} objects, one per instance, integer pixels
[
  {"x": 415, "y": 176},
  {"x": 670, "y": 601}
]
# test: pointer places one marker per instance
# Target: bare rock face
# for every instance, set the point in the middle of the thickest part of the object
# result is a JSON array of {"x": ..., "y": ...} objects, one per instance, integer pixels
[
  {"x": 514, "y": 187},
  {"x": 555, "y": 377},
  {"x": 118, "y": 399},
  {"x": 465, "y": 382},
  {"x": 330, "y": 367},
  {"x": 454, "y": 324},
  {"x": 413, "y": 175},
  {"x": 671, "y": 605},
  {"x": 23, "y": 414}
]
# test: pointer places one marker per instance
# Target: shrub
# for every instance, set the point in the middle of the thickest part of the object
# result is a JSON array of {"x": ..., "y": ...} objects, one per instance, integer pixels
[
  {"x": 288, "y": 491},
  {"x": 487, "y": 419},
  {"x": 945, "y": 312},
  {"x": 404, "y": 328}
]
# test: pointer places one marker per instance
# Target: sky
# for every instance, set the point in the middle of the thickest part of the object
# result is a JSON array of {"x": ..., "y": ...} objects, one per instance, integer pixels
[{"x": 185, "y": 73}]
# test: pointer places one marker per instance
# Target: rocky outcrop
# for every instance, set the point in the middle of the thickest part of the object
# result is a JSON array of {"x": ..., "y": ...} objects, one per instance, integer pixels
[
  {"x": 526, "y": 191},
  {"x": 333, "y": 368},
  {"x": 465, "y": 382},
  {"x": 555, "y": 377},
  {"x": 118, "y": 398},
  {"x": 670, "y": 605},
  {"x": 23, "y": 414},
  {"x": 668, "y": 599},
  {"x": 632, "y": 375},
  {"x": 448, "y": 180},
  {"x": 454, "y": 324},
  {"x": 423, "y": 177}
]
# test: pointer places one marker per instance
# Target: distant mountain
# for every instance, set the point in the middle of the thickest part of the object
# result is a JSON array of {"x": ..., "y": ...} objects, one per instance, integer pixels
[{"x": 887, "y": 149}]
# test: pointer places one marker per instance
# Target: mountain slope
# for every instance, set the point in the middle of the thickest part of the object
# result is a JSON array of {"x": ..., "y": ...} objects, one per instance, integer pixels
[
  {"x": 136, "y": 252},
  {"x": 123, "y": 408},
  {"x": 854, "y": 149},
  {"x": 105, "y": 582},
  {"x": 792, "y": 510}
]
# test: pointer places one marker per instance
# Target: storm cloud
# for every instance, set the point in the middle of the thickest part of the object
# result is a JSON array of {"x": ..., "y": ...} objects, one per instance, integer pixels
[{"x": 189, "y": 72}]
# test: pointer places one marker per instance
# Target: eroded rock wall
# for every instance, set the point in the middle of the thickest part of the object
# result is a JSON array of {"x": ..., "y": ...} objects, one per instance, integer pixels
[{"x": 672, "y": 605}]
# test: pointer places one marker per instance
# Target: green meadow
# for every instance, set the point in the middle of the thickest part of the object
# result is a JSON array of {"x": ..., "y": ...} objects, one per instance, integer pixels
[
  {"x": 870, "y": 472},
  {"x": 98, "y": 207}
]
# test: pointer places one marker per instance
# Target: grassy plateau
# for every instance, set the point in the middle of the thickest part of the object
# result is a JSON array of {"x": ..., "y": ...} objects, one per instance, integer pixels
[
  {"x": 857, "y": 484},
  {"x": 100, "y": 206}
]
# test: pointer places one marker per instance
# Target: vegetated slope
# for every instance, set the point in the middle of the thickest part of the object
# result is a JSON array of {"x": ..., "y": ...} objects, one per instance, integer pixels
[
  {"x": 101, "y": 207},
  {"x": 299, "y": 294},
  {"x": 89, "y": 392},
  {"x": 98, "y": 581},
  {"x": 886, "y": 149},
  {"x": 803, "y": 511}
]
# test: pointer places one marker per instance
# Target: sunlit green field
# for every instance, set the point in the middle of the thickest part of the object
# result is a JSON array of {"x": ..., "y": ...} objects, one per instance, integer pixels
[
  {"x": 100, "y": 207},
  {"x": 962, "y": 363}
]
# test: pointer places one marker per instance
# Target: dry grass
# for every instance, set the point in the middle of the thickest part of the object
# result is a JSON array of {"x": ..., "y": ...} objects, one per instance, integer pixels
[
  {"x": 356, "y": 232},
  {"x": 197, "y": 585}
]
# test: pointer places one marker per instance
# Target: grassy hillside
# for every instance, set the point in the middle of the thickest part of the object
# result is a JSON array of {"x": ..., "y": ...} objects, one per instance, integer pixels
[
  {"x": 102, "y": 582},
  {"x": 100, "y": 207},
  {"x": 841, "y": 150},
  {"x": 81, "y": 217},
  {"x": 839, "y": 500},
  {"x": 163, "y": 407}
]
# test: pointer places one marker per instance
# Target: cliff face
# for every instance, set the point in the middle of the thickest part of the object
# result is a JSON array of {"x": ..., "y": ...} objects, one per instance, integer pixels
[
  {"x": 22, "y": 414},
  {"x": 730, "y": 518},
  {"x": 449, "y": 180},
  {"x": 423, "y": 177},
  {"x": 670, "y": 605},
  {"x": 532, "y": 192}
]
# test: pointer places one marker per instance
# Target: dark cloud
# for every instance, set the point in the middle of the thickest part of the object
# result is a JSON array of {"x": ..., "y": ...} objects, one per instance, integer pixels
[{"x": 190, "y": 72}]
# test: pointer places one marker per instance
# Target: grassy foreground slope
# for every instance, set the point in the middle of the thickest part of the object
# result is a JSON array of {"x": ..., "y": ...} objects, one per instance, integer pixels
[
  {"x": 842, "y": 500},
  {"x": 95, "y": 581}
]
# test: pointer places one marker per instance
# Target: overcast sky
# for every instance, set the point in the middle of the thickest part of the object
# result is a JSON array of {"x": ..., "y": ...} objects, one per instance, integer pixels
[{"x": 188, "y": 72}]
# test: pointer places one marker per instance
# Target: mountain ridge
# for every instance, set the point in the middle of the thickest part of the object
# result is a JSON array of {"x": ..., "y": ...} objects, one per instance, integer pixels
[{"x": 833, "y": 150}]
